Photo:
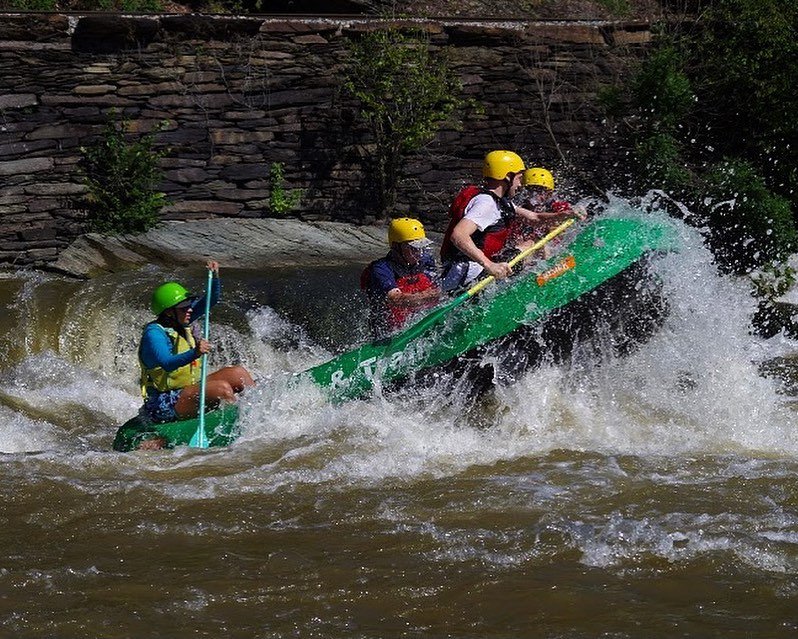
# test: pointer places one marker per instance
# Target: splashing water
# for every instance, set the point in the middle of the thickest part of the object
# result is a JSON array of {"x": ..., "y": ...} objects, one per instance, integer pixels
[
  {"x": 669, "y": 471},
  {"x": 693, "y": 387}
]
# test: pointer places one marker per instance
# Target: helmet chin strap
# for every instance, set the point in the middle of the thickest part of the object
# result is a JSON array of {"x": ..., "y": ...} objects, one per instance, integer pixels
[{"x": 507, "y": 184}]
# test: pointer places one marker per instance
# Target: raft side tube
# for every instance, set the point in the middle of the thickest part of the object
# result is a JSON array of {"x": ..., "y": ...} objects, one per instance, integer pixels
[{"x": 221, "y": 429}]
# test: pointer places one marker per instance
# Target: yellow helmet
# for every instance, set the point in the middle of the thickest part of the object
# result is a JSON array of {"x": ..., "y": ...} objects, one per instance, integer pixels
[
  {"x": 406, "y": 229},
  {"x": 538, "y": 176},
  {"x": 499, "y": 163}
]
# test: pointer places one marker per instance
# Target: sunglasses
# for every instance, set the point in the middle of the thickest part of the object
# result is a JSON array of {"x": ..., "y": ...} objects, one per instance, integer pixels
[{"x": 183, "y": 307}]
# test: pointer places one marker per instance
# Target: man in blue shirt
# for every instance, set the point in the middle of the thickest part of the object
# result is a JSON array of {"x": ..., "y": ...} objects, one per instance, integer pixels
[{"x": 403, "y": 282}]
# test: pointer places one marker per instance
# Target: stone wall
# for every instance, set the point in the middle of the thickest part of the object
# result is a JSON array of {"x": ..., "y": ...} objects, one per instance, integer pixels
[{"x": 235, "y": 95}]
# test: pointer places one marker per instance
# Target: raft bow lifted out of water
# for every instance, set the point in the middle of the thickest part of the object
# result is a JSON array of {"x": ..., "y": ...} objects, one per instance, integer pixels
[{"x": 602, "y": 250}]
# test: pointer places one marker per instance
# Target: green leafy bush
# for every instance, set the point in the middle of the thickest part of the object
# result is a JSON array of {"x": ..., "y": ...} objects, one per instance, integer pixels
[
  {"x": 29, "y": 5},
  {"x": 660, "y": 158},
  {"x": 749, "y": 225},
  {"x": 405, "y": 90},
  {"x": 131, "y": 6},
  {"x": 773, "y": 280},
  {"x": 616, "y": 7},
  {"x": 121, "y": 177},
  {"x": 721, "y": 87},
  {"x": 745, "y": 62},
  {"x": 662, "y": 91},
  {"x": 280, "y": 200},
  {"x": 657, "y": 106}
]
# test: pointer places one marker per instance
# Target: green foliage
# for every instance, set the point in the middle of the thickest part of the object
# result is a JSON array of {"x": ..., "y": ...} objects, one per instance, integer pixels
[
  {"x": 30, "y": 5},
  {"x": 749, "y": 225},
  {"x": 745, "y": 65},
  {"x": 616, "y": 7},
  {"x": 405, "y": 90},
  {"x": 611, "y": 100},
  {"x": 280, "y": 200},
  {"x": 749, "y": 56},
  {"x": 773, "y": 280},
  {"x": 662, "y": 91},
  {"x": 722, "y": 88},
  {"x": 121, "y": 177},
  {"x": 131, "y": 6},
  {"x": 660, "y": 158},
  {"x": 660, "y": 99}
]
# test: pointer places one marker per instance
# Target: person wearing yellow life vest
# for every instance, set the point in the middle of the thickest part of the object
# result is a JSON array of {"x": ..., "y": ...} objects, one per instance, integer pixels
[{"x": 170, "y": 352}]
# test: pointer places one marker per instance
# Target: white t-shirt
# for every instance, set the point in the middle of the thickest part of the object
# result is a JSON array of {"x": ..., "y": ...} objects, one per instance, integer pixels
[{"x": 482, "y": 211}]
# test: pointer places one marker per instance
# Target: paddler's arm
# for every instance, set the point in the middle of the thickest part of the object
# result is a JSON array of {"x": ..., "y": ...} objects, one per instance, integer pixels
[
  {"x": 410, "y": 300},
  {"x": 461, "y": 238},
  {"x": 156, "y": 350},
  {"x": 539, "y": 216}
]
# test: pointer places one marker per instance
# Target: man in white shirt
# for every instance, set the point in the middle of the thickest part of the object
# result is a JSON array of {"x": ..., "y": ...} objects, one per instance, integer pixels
[{"x": 483, "y": 230}]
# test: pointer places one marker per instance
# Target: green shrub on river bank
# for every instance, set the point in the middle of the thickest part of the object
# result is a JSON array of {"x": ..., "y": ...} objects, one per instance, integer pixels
[{"x": 714, "y": 118}]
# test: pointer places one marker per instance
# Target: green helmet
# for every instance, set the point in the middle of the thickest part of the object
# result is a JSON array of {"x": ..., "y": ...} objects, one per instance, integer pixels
[{"x": 166, "y": 296}]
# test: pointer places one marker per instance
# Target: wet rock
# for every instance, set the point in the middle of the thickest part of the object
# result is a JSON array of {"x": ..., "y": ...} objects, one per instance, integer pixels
[{"x": 236, "y": 243}]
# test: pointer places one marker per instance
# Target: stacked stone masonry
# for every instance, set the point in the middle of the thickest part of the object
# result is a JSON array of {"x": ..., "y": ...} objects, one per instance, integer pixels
[{"x": 234, "y": 95}]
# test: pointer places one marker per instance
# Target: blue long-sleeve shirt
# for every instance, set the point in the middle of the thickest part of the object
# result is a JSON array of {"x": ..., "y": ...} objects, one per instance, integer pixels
[{"x": 155, "y": 349}]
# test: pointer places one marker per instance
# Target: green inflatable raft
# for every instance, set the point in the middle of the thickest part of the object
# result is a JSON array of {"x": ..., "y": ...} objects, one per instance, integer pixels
[
  {"x": 598, "y": 254},
  {"x": 220, "y": 428},
  {"x": 601, "y": 250}
]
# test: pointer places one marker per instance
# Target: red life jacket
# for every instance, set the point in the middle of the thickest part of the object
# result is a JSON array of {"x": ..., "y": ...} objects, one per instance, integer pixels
[
  {"x": 394, "y": 315},
  {"x": 415, "y": 283},
  {"x": 492, "y": 239}
]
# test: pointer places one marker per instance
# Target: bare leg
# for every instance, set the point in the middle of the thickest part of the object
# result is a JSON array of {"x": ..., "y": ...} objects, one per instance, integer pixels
[
  {"x": 237, "y": 376},
  {"x": 220, "y": 386}
]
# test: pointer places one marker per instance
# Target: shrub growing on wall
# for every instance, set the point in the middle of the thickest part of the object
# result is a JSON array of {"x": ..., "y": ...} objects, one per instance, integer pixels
[
  {"x": 745, "y": 65},
  {"x": 281, "y": 201},
  {"x": 405, "y": 90},
  {"x": 121, "y": 176},
  {"x": 663, "y": 97},
  {"x": 132, "y": 6}
]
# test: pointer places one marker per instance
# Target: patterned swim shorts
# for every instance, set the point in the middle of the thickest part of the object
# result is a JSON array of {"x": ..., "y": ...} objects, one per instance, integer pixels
[{"x": 160, "y": 407}]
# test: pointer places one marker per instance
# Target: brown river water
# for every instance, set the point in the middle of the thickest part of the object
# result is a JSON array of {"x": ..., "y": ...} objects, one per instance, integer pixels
[{"x": 654, "y": 495}]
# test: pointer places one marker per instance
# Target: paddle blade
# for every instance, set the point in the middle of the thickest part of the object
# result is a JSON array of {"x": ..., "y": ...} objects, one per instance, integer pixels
[{"x": 198, "y": 439}]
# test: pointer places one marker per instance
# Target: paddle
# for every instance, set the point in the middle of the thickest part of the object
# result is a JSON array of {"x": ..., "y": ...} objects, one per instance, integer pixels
[
  {"x": 523, "y": 254},
  {"x": 437, "y": 314},
  {"x": 200, "y": 440}
]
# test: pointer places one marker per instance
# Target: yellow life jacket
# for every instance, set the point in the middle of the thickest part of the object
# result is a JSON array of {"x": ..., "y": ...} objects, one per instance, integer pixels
[{"x": 159, "y": 379}]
